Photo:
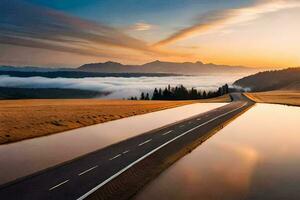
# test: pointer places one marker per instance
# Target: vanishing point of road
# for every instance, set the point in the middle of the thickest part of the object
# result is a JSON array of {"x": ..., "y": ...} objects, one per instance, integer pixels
[{"x": 120, "y": 170}]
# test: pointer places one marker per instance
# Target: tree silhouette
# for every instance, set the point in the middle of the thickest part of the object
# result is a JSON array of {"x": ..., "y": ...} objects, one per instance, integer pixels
[
  {"x": 182, "y": 93},
  {"x": 142, "y": 96},
  {"x": 147, "y": 97}
]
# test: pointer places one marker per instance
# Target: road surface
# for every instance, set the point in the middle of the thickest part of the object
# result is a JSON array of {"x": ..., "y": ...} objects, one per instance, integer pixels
[{"x": 117, "y": 171}]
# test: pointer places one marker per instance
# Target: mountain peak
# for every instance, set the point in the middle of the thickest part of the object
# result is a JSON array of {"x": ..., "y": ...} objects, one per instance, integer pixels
[
  {"x": 199, "y": 63},
  {"x": 153, "y": 62},
  {"x": 160, "y": 62},
  {"x": 111, "y": 63}
]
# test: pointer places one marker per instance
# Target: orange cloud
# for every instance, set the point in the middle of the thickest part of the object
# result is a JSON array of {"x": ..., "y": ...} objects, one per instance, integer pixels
[{"x": 224, "y": 18}]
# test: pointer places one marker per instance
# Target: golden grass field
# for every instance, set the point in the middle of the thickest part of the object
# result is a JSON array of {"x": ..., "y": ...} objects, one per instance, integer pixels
[
  {"x": 22, "y": 119},
  {"x": 287, "y": 97}
]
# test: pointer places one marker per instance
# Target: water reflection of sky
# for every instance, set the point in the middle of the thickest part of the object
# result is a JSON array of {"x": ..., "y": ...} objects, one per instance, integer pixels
[
  {"x": 255, "y": 157},
  {"x": 28, "y": 156}
]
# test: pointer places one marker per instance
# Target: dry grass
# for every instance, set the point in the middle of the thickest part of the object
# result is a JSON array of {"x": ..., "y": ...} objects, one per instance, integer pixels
[
  {"x": 287, "y": 97},
  {"x": 22, "y": 119}
]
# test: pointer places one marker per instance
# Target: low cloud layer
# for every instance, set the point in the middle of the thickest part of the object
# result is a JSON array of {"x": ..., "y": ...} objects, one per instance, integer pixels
[{"x": 120, "y": 87}]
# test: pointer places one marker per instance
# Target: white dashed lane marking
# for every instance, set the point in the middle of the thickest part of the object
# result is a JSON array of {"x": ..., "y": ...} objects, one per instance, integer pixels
[
  {"x": 125, "y": 151},
  {"x": 85, "y": 171},
  {"x": 153, "y": 151},
  {"x": 145, "y": 142},
  {"x": 166, "y": 133},
  {"x": 56, "y": 186},
  {"x": 115, "y": 157}
]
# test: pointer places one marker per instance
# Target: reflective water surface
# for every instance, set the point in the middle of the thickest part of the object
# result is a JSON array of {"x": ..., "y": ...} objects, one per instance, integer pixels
[
  {"x": 28, "y": 156},
  {"x": 257, "y": 156}
]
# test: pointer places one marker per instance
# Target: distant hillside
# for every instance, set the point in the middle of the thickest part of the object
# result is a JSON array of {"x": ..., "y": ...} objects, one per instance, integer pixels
[
  {"x": 156, "y": 68},
  {"x": 272, "y": 80},
  {"x": 187, "y": 68},
  {"x": 47, "y": 93}
]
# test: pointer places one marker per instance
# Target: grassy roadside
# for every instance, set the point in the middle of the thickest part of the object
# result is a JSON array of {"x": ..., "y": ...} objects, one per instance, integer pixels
[
  {"x": 23, "y": 119},
  {"x": 285, "y": 97}
]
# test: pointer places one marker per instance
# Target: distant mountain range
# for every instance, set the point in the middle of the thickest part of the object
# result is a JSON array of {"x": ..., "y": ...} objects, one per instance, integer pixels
[
  {"x": 286, "y": 79},
  {"x": 156, "y": 67},
  {"x": 186, "y": 68}
]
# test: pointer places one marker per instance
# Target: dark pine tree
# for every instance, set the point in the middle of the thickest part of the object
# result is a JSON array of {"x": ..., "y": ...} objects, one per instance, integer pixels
[
  {"x": 142, "y": 96},
  {"x": 147, "y": 97},
  {"x": 182, "y": 93},
  {"x": 155, "y": 94},
  {"x": 160, "y": 94},
  {"x": 204, "y": 94}
]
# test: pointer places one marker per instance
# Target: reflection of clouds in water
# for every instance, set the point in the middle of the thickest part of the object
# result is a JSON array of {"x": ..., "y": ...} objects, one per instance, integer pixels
[
  {"x": 206, "y": 174},
  {"x": 257, "y": 152},
  {"x": 234, "y": 169},
  {"x": 119, "y": 86},
  {"x": 237, "y": 174}
]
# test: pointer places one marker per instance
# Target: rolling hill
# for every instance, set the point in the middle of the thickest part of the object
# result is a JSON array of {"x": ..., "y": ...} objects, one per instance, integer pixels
[{"x": 286, "y": 79}]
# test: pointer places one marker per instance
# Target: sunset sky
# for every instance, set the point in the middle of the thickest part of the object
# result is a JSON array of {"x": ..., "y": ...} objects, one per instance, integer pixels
[{"x": 68, "y": 33}]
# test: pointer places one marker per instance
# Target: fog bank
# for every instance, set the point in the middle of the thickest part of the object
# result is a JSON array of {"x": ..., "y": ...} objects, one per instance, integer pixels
[{"x": 121, "y": 87}]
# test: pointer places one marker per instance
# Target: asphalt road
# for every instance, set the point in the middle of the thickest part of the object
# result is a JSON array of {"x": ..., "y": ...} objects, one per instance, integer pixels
[{"x": 80, "y": 178}]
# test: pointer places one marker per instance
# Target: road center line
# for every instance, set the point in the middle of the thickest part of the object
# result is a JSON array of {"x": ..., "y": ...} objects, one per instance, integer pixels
[
  {"x": 126, "y": 151},
  {"x": 166, "y": 133},
  {"x": 144, "y": 142},
  {"x": 115, "y": 157},
  {"x": 56, "y": 186},
  {"x": 181, "y": 125},
  {"x": 199, "y": 119},
  {"x": 151, "y": 152},
  {"x": 85, "y": 171}
]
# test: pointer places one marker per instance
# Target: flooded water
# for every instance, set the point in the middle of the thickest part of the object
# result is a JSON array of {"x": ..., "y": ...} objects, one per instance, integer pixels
[
  {"x": 28, "y": 156},
  {"x": 257, "y": 156}
]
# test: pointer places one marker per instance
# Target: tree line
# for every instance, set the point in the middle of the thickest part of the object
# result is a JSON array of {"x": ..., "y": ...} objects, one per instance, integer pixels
[{"x": 181, "y": 93}]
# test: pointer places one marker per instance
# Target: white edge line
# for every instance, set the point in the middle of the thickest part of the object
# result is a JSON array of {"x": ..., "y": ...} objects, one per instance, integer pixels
[
  {"x": 150, "y": 153},
  {"x": 144, "y": 142},
  {"x": 56, "y": 186},
  {"x": 115, "y": 157},
  {"x": 85, "y": 171}
]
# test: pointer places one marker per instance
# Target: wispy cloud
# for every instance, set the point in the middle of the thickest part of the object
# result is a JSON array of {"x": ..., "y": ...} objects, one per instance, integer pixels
[
  {"x": 223, "y": 18},
  {"x": 142, "y": 26},
  {"x": 24, "y": 24},
  {"x": 27, "y": 25}
]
